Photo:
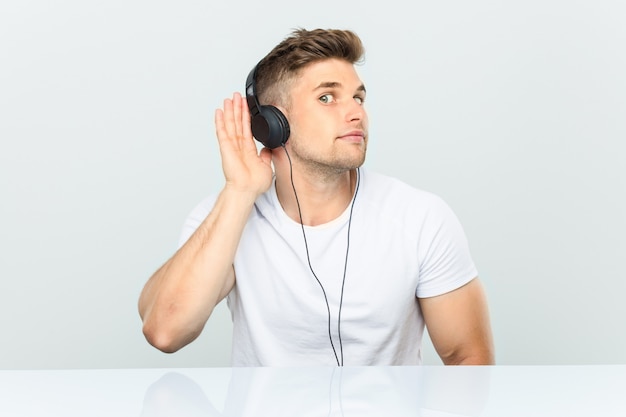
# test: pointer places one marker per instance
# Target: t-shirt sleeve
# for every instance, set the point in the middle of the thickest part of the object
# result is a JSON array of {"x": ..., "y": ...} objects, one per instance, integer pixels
[
  {"x": 195, "y": 218},
  {"x": 445, "y": 260}
]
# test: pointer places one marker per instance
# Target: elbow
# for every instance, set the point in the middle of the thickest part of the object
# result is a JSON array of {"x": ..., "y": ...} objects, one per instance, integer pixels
[
  {"x": 169, "y": 329},
  {"x": 484, "y": 356},
  {"x": 165, "y": 340},
  {"x": 484, "y": 359}
]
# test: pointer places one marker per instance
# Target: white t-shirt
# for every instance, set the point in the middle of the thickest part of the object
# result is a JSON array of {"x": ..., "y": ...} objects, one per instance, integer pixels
[{"x": 404, "y": 243}]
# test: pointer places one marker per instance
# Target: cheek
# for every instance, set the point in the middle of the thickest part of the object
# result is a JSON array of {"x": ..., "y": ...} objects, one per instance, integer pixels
[
  {"x": 366, "y": 119},
  {"x": 313, "y": 126}
]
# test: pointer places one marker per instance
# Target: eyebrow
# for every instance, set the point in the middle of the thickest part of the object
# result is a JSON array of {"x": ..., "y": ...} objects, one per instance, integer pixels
[{"x": 335, "y": 84}]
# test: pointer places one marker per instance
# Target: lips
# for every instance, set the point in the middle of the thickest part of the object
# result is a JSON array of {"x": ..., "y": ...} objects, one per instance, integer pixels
[{"x": 353, "y": 136}]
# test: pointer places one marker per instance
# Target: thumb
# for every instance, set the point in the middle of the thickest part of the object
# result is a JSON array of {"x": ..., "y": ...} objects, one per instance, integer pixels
[{"x": 266, "y": 155}]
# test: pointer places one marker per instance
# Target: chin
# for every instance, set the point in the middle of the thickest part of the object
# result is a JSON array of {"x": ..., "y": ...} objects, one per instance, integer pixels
[{"x": 353, "y": 163}]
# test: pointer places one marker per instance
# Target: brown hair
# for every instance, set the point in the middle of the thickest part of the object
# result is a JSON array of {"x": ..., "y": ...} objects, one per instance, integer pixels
[{"x": 281, "y": 66}]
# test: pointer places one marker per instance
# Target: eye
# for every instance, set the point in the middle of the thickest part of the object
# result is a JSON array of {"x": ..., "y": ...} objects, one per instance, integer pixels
[
  {"x": 327, "y": 98},
  {"x": 359, "y": 99}
]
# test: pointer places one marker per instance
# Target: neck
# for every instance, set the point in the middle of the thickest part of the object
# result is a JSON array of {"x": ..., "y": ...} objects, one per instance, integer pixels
[{"x": 321, "y": 198}]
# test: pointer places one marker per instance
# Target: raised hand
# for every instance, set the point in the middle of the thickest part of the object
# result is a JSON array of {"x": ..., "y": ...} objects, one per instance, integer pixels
[{"x": 244, "y": 168}]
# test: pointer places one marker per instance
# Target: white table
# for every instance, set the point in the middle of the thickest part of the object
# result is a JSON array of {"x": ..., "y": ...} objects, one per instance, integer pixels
[{"x": 502, "y": 391}]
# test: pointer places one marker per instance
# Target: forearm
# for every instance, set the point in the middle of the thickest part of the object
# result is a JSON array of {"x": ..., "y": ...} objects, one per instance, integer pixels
[{"x": 179, "y": 298}]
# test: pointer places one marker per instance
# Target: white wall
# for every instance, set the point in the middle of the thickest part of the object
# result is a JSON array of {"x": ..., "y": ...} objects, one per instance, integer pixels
[{"x": 514, "y": 112}]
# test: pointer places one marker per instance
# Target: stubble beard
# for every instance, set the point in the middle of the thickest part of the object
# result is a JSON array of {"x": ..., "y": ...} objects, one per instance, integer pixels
[{"x": 330, "y": 165}]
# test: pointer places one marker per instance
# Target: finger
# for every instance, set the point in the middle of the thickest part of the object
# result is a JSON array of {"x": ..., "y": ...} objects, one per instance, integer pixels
[
  {"x": 266, "y": 155},
  {"x": 245, "y": 113},
  {"x": 237, "y": 114},
  {"x": 220, "y": 128},
  {"x": 229, "y": 119}
]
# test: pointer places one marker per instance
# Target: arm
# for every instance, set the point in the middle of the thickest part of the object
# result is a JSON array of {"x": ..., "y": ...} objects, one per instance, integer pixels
[
  {"x": 180, "y": 296},
  {"x": 458, "y": 325}
]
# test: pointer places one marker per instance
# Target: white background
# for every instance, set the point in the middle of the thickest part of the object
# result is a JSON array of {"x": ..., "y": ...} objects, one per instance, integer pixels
[{"x": 513, "y": 112}]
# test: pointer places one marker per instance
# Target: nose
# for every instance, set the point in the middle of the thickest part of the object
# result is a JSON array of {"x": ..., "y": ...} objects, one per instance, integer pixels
[{"x": 355, "y": 111}]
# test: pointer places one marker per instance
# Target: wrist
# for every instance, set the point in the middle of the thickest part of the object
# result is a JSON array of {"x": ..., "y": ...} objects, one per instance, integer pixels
[{"x": 243, "y": 194}]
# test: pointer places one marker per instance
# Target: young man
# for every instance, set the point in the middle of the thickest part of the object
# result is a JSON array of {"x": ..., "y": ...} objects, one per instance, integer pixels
[{"x": 322, "y": 262}]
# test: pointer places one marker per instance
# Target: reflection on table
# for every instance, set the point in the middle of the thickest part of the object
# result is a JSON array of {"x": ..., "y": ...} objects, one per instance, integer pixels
[
  {"x": 349, "y": 391},
  {"x": 361, "y": 391}
]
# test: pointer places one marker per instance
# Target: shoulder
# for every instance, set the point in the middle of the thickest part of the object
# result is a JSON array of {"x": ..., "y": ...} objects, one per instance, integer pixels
[
  {"x": 413, "y": 213},
  {"x": 386, "y": 193}
]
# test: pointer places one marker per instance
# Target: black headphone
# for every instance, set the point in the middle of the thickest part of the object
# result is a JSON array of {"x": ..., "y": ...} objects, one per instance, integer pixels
[{"x": 269, "y": 125}]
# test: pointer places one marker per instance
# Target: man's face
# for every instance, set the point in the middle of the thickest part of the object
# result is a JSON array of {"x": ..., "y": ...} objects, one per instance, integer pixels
[{"x": 327, "y": 119}]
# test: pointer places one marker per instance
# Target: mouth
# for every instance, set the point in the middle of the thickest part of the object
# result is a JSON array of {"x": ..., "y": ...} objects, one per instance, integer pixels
[{"x": 353, "y": 136}]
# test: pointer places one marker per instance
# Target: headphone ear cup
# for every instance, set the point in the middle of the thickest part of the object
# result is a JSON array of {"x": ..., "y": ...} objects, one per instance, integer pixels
[{"x": 270, "y": 127}]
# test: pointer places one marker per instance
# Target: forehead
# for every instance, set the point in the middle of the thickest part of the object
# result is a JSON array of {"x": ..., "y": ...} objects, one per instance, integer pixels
[{"x": 327, "y": 71}]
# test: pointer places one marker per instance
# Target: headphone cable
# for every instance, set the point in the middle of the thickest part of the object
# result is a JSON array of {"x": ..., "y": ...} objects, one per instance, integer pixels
[
  {"x": 345, "y": 266},
  {"x": 306, "y": 246}
]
